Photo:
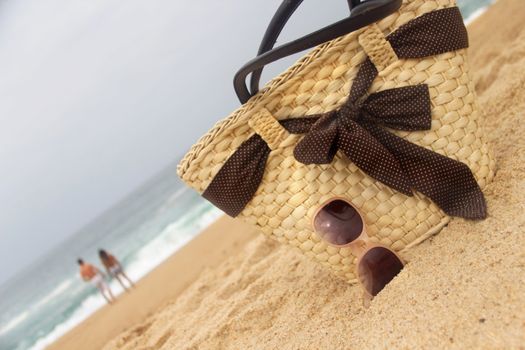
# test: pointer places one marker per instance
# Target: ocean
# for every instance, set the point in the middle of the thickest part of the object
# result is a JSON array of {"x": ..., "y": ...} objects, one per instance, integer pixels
[{"x": 48, "y": 298}]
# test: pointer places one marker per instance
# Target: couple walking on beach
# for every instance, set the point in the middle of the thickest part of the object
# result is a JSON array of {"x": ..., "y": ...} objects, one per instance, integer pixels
[{"x": 93, "y": 275}]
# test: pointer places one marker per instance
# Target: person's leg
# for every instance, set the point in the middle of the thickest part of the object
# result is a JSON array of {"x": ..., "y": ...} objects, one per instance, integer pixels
[
  {"x": 121, "y": 282},
  {"x": 106, "y": 287},
  {"x": 102, "y": 291},
  {"x": 110, "y": 293},
  {"x": 127, "y": 278}
]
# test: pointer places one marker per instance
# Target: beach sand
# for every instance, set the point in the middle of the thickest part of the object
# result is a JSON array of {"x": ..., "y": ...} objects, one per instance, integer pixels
[{"x": 462, "y": 289}]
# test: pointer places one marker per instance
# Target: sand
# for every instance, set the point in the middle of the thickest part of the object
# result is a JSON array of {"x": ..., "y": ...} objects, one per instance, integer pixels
[{"x": 462, "y": 289}]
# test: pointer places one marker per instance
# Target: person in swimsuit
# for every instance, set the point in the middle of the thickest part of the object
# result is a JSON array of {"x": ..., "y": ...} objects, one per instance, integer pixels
[
  {"x": 91, "y": 274},
  {"x": 114, "y": 268}
]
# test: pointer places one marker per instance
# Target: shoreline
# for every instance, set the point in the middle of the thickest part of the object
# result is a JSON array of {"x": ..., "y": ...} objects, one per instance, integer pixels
[
  {"x": 216, "y": 242},
  {"x": 137, "y": 269},
  {"x": 478, "y": 13}
]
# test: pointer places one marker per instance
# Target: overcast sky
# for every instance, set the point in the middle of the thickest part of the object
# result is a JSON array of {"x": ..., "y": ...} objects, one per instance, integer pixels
[{"x": 97, "y": 96}]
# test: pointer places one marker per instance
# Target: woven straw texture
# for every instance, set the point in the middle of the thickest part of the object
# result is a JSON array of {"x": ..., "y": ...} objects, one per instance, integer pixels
[{"x": 291, "y": 192}]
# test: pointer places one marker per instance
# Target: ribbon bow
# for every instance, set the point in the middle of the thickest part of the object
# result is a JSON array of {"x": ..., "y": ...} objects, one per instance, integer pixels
[
  {"x": 357, "y": 129},
  {"x": 347, "y": 129}
]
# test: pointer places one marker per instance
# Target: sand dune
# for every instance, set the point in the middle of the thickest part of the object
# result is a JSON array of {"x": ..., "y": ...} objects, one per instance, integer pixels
[{"x": 463, "y": 289}]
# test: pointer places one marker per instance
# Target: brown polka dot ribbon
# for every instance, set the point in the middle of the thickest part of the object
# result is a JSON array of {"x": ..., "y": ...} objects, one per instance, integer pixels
[{"x": 358, "y": 129}]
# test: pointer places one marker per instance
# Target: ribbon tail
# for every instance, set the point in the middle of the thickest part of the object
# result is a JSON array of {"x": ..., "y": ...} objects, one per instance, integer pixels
[
  {"x": 237, "y": 181},
  {"x": 372, "y": 157},
  {"x": 363, "y": 80},
  {"x": 299, "y": 125},
  {"x": 448, "y": 182}
]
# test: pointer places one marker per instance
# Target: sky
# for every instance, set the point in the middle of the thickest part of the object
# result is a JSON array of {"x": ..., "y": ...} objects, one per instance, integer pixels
[{"x": 97, "y": 96}]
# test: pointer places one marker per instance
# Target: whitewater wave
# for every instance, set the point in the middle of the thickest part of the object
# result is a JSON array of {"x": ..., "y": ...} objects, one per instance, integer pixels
[
  {"x": 14, "y": 322},
  {"x": 62, "y": 287},
  {"x": 477, "y": 13},
  {"x": 171, "y": 239},
  {"x": 86, "y": 308}
]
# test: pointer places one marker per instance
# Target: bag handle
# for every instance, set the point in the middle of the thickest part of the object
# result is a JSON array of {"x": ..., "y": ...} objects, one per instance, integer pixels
[
  {"x": 363, "y": 13},
  {"x": 279, "y": 20}
]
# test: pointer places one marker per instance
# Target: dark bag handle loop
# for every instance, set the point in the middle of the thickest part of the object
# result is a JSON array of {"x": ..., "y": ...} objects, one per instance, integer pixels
[
  {"x": 279, "y": 20},
  {"x": 363, "y": 14}
]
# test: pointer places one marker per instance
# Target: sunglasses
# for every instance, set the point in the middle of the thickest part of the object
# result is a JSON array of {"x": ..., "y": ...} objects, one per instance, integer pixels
[{"x": 340, "y": 224}]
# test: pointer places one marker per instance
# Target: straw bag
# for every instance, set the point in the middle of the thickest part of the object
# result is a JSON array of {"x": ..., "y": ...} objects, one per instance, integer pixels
[{"x": 383, "y": 113}]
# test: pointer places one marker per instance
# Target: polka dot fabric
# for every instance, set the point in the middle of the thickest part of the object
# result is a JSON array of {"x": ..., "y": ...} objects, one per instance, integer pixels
[
  {"x": 449, "y": 183},
  {"x": 444, "y": 29},
  {"x": 237, "y": 181},
  {"x": 405, "y": 108},
  {"x": 354, "y": 129}
]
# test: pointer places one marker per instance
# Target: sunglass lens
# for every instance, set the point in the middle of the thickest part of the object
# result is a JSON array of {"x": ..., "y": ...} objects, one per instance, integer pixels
[
  {"x": 377, "y": 268},
  {"x": 338, "y": 223}
]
